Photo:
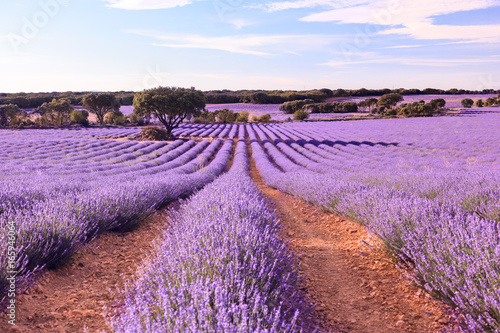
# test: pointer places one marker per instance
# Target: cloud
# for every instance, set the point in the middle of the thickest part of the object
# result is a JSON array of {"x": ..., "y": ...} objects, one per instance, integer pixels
[
  {"x": 413, "y": 62},
  {"x": 426, "y": 30},
  {"x": 285, "y": 5},
  {"x": 244, "y": 44},
  {"x": 404, "y": 17},
  {"x": 402, "y": 46},
  {"x": 147, "y": 4},
  {"x": 240, "y": 23},
  {"x": 396, "y": 12}
]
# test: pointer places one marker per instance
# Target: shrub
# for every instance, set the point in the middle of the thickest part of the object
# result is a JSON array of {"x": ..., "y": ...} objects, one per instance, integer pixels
[
  {"x": 490, "y": 101},
  {"x": 114, "y": 118},
  {"x": 242, "y": 117},
  {"x": 153, "y": 133},
  {"x": 479, "y": 103},
  {"x": 225, "y": 116},
  {"x": 265, "y": 118},
  {"x": 335, "y": 107},
  {"x": 300, "y": 115},
  {"x": 467, "y": 103},
  {"x": 135, "y": 119},
  {"x": 438, "y": 103},
  {"x": 291, "y": 107},
  {"x": 80, "y": 117},
  {"x": 205, "y": 117}
]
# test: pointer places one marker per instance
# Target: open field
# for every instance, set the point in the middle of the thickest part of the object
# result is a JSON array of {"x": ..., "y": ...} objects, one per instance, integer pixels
[{"x": 424, "y": 193}]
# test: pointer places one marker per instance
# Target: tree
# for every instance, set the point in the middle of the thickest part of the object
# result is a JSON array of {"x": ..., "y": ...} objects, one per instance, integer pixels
[
  {"x": 438, "y": 103},
  {"x": 389, "y": 100},
  {"x": 479, "y": 103},
  {"x": 467, "y": 103},
  {"x": 55, "y": 112},
  {"x": 100, "y": 104},
  {"x": 8, "y": 113},
  {"x": 371, "y": 102},
  {"x": 362, "y": 105},
  {"x": 171, "y": 105}
]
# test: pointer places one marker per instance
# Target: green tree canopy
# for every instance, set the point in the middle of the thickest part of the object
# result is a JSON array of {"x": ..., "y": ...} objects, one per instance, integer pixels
[
  {"x": 171, "y": 105},
  {"x": 8, "y": 113},
  {"x": 389, "y": 100},
  {"x": 55, "y": 112},
  {"x": 100, "y": 104},
  {"x": 467, "y": 102},
  {"x": 438, "y": 103}
]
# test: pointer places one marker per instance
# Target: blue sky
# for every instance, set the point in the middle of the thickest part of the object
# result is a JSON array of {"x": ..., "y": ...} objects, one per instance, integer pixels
[{"x": 62, "y": 45}]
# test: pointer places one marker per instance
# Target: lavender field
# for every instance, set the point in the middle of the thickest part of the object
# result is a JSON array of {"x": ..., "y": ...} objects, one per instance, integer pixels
[{"x": 429, "y": 188}]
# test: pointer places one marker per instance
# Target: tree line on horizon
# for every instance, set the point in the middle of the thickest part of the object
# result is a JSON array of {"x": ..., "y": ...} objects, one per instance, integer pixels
[{"x": 35, "y": 100}]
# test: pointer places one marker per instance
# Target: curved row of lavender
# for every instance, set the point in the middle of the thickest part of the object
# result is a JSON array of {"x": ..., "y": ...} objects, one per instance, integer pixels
[
  {"x": 221, "y": 267},
  {"x": 59, "y": 193},
  {"x": 429, "y": 188}
]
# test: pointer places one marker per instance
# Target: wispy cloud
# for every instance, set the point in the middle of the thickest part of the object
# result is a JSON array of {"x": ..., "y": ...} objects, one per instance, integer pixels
[
  {"x": 403, "y": 46},
  {"x": 245, "y": 44},
  {"x": 240, "y": 23},
  {"x": 413, "y": 18},
  {"x": 390, "y": 12},
  {"x": 426, "y": 30},
  {"x": 284, "y": 5},
  {"x": 413, "y": 62},
  {"x": 147, "y": 4}
]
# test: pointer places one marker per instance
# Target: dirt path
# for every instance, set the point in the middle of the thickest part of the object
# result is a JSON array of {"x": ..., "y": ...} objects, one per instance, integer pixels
[
  {"x": 71, "y": 298},
  {"x": 353, "y": 282}
]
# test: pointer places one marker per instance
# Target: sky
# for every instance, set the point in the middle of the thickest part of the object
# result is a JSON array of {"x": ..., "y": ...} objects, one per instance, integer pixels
[{"x": 114, "y": 45}]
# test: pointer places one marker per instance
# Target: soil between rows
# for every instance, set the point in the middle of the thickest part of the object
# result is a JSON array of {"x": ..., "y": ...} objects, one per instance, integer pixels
[
  {"x": 71, "y": 298},
  {"x": 351, "y": 279}
]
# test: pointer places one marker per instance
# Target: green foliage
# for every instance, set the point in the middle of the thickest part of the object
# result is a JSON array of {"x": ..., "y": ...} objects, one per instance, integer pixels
[
  {"x": 300, "y": 115},
  {"x": 265, "y": 118},
  {"x": 136, "y": 119},
  {"x": 492, "y": 101},
  {"x": 367, "y": 103},
  {"x": 291, "y": 107},
  {"x": 55, "y": 113},
  {"x": 415, "y": 109},
  {"x": 100, "y": 104},
  {"x": 153, "y": 133},
  {"x": 467, "y": 102},
  {"x": 171, "y": 105},
  {"x": 479, "y": 103},
  {"x": 222, "y": 116},
  {"x": 80, "y": 117},
  {"x": 115, "y": 118},
  {"x": 438, "y": 103},
  {"x": 389, "y": 101},
  {"x": 225, "y": 116},
  {"x": 9, "y": 114},
  {"x": 242, "y": 117},
  {"x": 335, "y": 107}
]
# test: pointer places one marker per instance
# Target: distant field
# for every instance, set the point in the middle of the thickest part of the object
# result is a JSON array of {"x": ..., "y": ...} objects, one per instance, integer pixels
[
  {"x": 452, "y": 101},
  {"x": 429, "y": 188}
]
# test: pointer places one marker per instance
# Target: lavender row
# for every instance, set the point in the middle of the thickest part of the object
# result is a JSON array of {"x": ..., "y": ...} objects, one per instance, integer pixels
[
  {"x": 51, "y": 223},
  {"x": 443, "y": 223},
  {"x": 221, "y": 267}
]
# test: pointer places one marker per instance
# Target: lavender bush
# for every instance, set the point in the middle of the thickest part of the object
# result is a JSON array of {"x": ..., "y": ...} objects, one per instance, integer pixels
[
  {"x": 430, "y": 188},
  {"x": 220, "y": 268},
  {"x": 62, "y": 191}
]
